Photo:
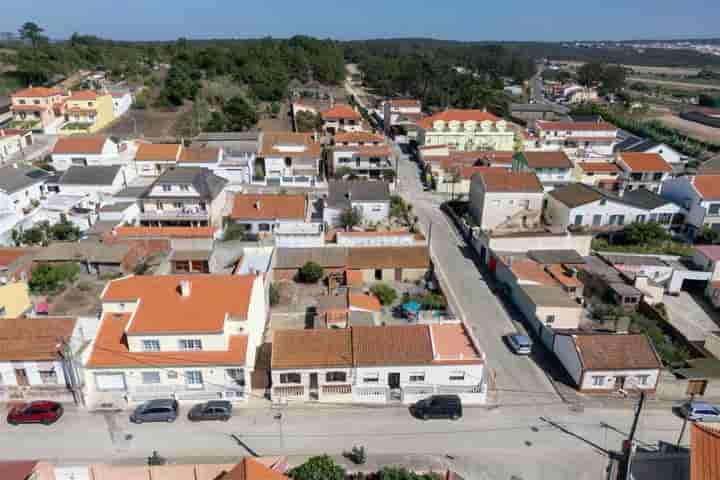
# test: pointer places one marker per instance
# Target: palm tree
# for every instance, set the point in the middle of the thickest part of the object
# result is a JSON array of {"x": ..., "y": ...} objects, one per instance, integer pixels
[{"x": 31, "y": 31}]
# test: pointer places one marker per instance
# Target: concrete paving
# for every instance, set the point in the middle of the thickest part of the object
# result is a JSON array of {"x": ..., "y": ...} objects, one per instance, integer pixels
[{"x": 690, "y": 316}]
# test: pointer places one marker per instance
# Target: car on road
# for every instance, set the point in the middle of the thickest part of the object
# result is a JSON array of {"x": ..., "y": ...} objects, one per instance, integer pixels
[
  {"x": 695, "y": 410},
  {"x": 438, "y": 406},
  {"x": 158, "y": 410},
  {"x": 44, "y": 411},
  {"x": 520, "y": 344},
  {"x": 212, "y": 410}
]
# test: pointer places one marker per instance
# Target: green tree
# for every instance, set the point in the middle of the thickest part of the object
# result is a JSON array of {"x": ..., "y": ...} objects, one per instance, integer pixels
[
  {"x": 240, "y": 114},
  {"x": 46, "y": 278},
  {"x": 708, "y": 235},
  {"x": 306, "y": 121},
  {"x": 385, "y": 293},
  {"x": 590, "y": 74},
  {"x": 318, "y": 468},
  {"x": 31, "y": 31},
  {"x": 613, "y": 78},
  {"x": 393, "y": 473},
  {"x": 645, "y": 233},
  {"x": 65, "y": 231},
  {"x": 342, "y": 172},
  {"x": 310, "y": 272},
  {"x": 350, "y": 217}
]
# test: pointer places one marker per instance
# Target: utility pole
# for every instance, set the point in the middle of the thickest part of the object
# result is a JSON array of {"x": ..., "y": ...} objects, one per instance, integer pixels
[
  {"x": 684, "y": 425},
  {"x": 628, "y": 444}
]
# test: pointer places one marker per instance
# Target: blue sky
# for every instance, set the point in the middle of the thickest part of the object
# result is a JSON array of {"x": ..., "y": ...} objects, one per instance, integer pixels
[{"x": 458, "y": 19}]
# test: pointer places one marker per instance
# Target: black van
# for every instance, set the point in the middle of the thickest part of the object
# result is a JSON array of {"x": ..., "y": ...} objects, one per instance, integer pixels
[{"x": 438, "y": 406}]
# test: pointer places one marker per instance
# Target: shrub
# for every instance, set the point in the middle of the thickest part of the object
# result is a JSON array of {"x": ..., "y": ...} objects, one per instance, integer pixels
[
  {"x": 318, "y": 468},
  {"x": 385, "y": 293},
  {"x": 311, "y": 272},
  {"x": 350, "y": 218},
  {"x": 48, "y": 278},
  {"x": 233, "y": 232}
]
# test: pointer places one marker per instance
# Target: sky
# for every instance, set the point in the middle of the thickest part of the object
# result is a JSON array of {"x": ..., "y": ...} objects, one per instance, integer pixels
[{"x": 549, "y": 20}]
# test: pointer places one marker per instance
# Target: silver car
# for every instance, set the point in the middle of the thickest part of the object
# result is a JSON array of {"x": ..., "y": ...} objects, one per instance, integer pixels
[
  {"x": 159, "y": 410},
  {"x": 700, "y": 411},
  {"x": 520, "y": 344}
]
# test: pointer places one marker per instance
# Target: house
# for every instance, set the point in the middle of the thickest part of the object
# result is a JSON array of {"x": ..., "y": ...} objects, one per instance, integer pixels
[
  {"x": 643, "y": 170},
  {"x": 341, "y": 118},
  {"x": 704, "y": 451},
  {"x": 16, "y": 263},
  {"x": 605, "y": 363},
  {"x": 370, "y": 199},
  {"x": 500, "y": 199},
  {"x": 201, "y": 157},
  {"x": 403, "y": 113},
  {"x": 122, "y": 100},
  {"x": 553, "y": 169},
  {"x": 584, "y": 140},
  {"x": 347, "y": 309},
  {"x": 239, "y": 150},
  {"x": 12, "y": 141},
  {"x": 87, "y": 111},
  {"x": 641, "y": 145},
  {"x": 581, "y": 205},
  {"x": 94, "y": 257},
  {"x": 97, "y": 183},
  {"x": 83, "y": 151},
  {"x": 183, "y": 197},
  {"x": 152, "y": 159},
  {"x": 287, "y": 158},
  {"x": 700, "y": 196},
  {"x": 452, "y": 171},
  {"x": 38, "y": 359},
  {"x": 466, "y": 130},
  {"x": 191, "y": 337},
  {"x": 363, "y": 154},
  {"x": 264, "y": 213},
  {"x": 21, "y": 188},
  {"x": 390, "y": 364},
  {"x": 605, "y": 176},
  {"x": 39, "y": 108},
  {"x": 549, "y": 307}
]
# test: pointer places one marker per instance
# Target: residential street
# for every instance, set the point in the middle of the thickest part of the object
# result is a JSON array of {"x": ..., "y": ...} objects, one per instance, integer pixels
[
  {"x": 519, "y": 380},
  {"x": 482, "y": 443}
]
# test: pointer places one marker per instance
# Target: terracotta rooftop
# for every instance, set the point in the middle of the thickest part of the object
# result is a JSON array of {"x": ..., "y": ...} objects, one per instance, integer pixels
[
  {"x": 645, "y": 162},
  {"x": 458, "y": 115},
  {"x": 356, "y": 137},
  {"x": 33, "y": 339},
  {"x": 250, "y": 469},
  {"x": 598, "y": 167},
  {"x": 255, "y": 206},
  {"x": 11, "y": 132},
  {"x": 157, "y": 152},
  {"x": 575, "y": 126},
  {"x": 83, "y": 95},
  {"x": 708, "y": 186},
  {"x": 38, "y": 92},
  {"x": 563, "y": 276},
  {"x": 615, "y": 351},
  {"x": 362, "y": 258},
  {"x": 341, "y": 111},
  {"x": 273, "y": 141},
  {"x": 499, "y": 180},
  {"x": 364, "y": 301},
  {"x": 404, "y": 102},
  {"x": 546, "y": 159},
  {"x": 199, "y": 155},
  {"x": 110, "y": 349},
  {"x": 320, "y": 348},
  {"x": 17, "y": 469},
  {"x": 704, "y": 451},
  {"x": 162, "y": 308},
  {"x": 529, "y": 271},
  {"x": 164, "y": 232},
  {"x": 11, "y": 254},
  {"x": 392, "y": 345},
  {"x": 88, "y": 144},
  {"x": 452, "y": 344}
]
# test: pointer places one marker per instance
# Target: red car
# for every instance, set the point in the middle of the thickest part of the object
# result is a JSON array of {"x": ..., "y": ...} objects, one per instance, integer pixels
[{"x": 43, "y": 411}]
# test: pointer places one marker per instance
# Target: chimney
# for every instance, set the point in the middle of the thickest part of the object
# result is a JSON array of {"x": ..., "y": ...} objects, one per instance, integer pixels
[{"x": 185, "y": 288}]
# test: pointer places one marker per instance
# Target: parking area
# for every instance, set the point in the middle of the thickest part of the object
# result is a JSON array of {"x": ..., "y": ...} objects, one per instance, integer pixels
[{"x": 690, "y": 313}]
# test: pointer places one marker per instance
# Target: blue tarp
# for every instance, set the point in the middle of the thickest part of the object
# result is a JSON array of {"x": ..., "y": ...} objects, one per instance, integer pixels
[{"x": 411, "y": 307}]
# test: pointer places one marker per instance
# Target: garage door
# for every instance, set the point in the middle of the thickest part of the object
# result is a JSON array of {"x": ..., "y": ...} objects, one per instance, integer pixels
[{"x": 110, "y": 381}]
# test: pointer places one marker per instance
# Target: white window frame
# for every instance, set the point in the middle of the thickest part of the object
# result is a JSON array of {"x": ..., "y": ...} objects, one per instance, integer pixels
[
  {"x": 190, "y": 344},
  {"x": 286, "y": 381},
  {"x": 371, "y": 378},
  {"x": 598, "y": 380},
  {"x": 48, "y": 376},
  {"x": 416, "y": 377},
  {"x": 194, "y": 379},
  {"x": 147, "y": 348},
  {"x": 155, "y": 376},
  {"x": 642, "y": 380}
]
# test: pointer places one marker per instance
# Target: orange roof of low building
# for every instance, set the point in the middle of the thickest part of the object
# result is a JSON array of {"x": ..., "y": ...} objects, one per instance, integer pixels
[
  {"x": 319, "y": 348},
  {"x": 452, "y": 343},
  {"x": 199, "y": 155},
  {"x": 88, "y": 144},
  {"x": 575, "y": 126},
  {"x": 83, "y": 95},
  {"x": 458, "y": 115},
  {"x": 165, "y": 232},
  {"x": 364, "y": 302},
  {"x": 529, "y": 271},
  {"x": 162, "y": 308},
  {"x": 708, "y": 186},
  {"x": 367, "y": 150},
  {"x": 404, "y": 102},
  {"x": 645, "y": 162},
  {"x": 342, "y": 111},
  {"x": 563, "y": 275},
  {"x": 259, "y": 206},
  {"x": 11, "y": 254},
  {"x": 157, "y": 152},
  {"x": 500, "y": 180},
  {"x": 704, "y": 452},
  {"x": 598, "y": 167},
  {"x": 357, "y": 137},
  {"x": 538, "y": 159},
  {"x": 110, "y": 349},
  {"x": 354, "y": 277},
  {"x": 273, "y": 140},
  {"x": 33, "y": 339},
  {"x": 251, "y": 469},
  {"x": 38, "y": 92}
]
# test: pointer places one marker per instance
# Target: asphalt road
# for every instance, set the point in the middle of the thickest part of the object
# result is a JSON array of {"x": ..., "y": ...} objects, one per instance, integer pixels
[{"x": 518, "y": 379}]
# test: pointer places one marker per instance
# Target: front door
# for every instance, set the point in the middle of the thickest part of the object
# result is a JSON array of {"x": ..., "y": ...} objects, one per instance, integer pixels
[
  {"x": 619, "y": 383},
  {"x": 314, "y": 395},
  {"x": 21, "y": 377},
  {"x": 394, "y": 380}
]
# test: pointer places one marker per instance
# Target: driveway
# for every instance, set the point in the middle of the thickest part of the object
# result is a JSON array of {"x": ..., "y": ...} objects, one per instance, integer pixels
[{"x": 693, "y": 316}]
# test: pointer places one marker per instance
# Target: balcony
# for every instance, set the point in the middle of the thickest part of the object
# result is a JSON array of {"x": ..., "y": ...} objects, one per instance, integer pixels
[{"x": 179, "y": 214}]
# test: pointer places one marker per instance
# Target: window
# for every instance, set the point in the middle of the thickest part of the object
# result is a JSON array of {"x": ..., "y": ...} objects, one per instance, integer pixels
[
  {"x": 335, "y": 377},
  {"x": 150, "y": 378},
  {"x": 48, "y": 376},
  {"x": 371, "y": 378},
  {"x": 657, "y": 176},
  {"x": 578, "y": 220},
  {"x": 642, "y": 379},
  {"x": 714, "y": 208},
  {"x": 665, "y": 218},
  {"x": 511, "y": 202},
  {"x": 457, "y": 376},
  {"x": 167, "y": 188},
  {"x": 550, "y": 319},
  {"x": 598, "y": 381},
  {"x": 417, "y": 377},
  {"x": 597, "y": 220},
  {"x": 288, "y": 162},
  {"x": 236, "y": 374},
  {"x": 190, "y": 344},
  {"x": 193, "y": 379},
  {"x": 151, "y": 345},
  {"x": 185, "y": 188},
  {"x": 603, "y": 201},
  {"x": 178, "y": 205},
  {"x": 264, "y": 227},
  {"x": 289, "y": 378}
]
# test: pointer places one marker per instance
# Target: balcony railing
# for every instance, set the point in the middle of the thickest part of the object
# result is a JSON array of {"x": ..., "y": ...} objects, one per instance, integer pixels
[{"x": 166, "y": 214}]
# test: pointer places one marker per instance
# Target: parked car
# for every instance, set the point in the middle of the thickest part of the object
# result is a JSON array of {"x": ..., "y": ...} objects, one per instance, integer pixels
[
  {"x": 695, "y": 410},
  {"x": 519, "y": 343},
  {"x": 438, "y": 406},
  {"x": 212, "y": 410},
  {"x": 159, "y": 410},
  {"x": 43, "y": 411}
]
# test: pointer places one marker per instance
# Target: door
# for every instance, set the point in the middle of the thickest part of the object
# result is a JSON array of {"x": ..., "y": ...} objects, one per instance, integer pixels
[
  {"x": 314, "y": 381},
  {"x": 597, "y": 220},
  {"x": 394, "y": 380},
  {"x": 21, "y": 377},
  {"x": 398, "y": 274},
  {"x": 619, "y": 383}
]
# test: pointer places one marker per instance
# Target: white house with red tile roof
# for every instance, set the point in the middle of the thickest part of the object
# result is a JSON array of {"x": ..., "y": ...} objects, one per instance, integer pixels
[
  {"x": 466, "y": 130},
  {"x": 39, "y": 107},
  {"x": 191, "y": 337},
  {"x": 700, "y": 195},
  {"x": 341, "y": 118},
  {"x": 84, "y": 151},
  {"x": 502, "y": 199},
  {"x": 578, "y": 139},
  {"x": 643, "y": 170},
  {"x": 388, "y": 364},
  {"x": 401, "y": 111}
]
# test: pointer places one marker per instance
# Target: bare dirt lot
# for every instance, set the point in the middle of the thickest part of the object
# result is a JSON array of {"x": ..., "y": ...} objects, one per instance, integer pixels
[
  {"x": 149, "y": 123},
  {"x": 691, "y": 129},
  {"x": 80, "y": 298}
]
